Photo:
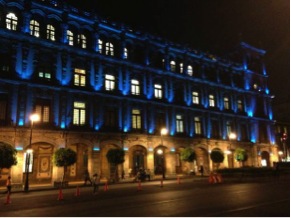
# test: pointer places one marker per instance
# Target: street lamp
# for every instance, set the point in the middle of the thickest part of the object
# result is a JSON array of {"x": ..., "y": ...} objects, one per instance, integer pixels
[
  {"x": 232, "y": 136},
  {"x": 160, "y": 152},
  {"x": 28, "y": 153}
]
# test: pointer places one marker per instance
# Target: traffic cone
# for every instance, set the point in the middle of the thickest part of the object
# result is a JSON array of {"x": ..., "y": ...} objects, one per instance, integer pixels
[
  {"x": 219, "y": 178},
  {"x": 106, "y": 186},
  {"x": 60, "y": 197},
  {"x": 8, "y": 200},
  {"x": 162, "y": 183},
  {"x": 77, "y": 191},
  {"x": 210, "y": 179},
  {"x": 139, "y": 186},
  {"x": 178, "y": 180}
]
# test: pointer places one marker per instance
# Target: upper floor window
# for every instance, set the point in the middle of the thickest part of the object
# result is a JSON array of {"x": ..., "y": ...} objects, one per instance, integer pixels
[
  {"x": 125, "y": 53},
  {"x": 181, "y": 67},
  {"x": 239, "y": 105},
  {"x": 195, "y": 97},
  {"x": 43, "y": 110},
  {"x": 50, "y": 32},
  {"x": 136, "y": 119},
  {"x": 44, "y": 74},
  {"x": 211, "y": 101},
  {"x": 226, "y": 103},
  {"x": 109, "y": 50},
  {"x": 158, "y": 91},
  {"x": 228, "y": 128},
  {"x": 11, "y": 21},
  {"x": 198, "y": 126},
  {"x": 79, "y": 113},
  {"x": 79, "y": 77},
  {"x": 100, "y": 45},
  {"x": 70, "y": 37},
  {"x": 179, "y": 124},
  {"x": 3, "y": 110},
  {"x": 173, "y": 66},
  {"x": 190, "y": 70},
  {"x": 135, "y": 88},
  {"x": 82, "y": 41},
  {"x": 109, "y": 82},
  {"x": 34, "y": 28}
]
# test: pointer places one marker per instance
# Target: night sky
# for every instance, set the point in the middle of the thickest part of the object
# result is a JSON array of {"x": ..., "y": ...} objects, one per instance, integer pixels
[{"x": 212, "y": 26}]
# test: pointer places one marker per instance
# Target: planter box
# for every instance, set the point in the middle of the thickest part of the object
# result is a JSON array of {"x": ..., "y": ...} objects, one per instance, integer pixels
[{"x": 63, "y": 184}]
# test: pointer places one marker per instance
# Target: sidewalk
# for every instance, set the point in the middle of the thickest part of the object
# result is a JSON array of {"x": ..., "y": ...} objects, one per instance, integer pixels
[{"x": 74, "y": 184}]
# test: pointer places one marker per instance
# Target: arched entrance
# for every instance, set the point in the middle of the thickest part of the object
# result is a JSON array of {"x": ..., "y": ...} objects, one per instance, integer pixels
[
  {"x": 159, "y": 161},
  {"x": 107, "y": 169},
  {"x": 265, "y": 159},
  {"x": 202, "y": 159},
  {"x": 137, "y": 158}
]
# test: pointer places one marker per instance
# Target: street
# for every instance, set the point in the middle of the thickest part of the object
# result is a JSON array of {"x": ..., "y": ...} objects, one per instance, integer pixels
[{"x": 157, "y": 199}]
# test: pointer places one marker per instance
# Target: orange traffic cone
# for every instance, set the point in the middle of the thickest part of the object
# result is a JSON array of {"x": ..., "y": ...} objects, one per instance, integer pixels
[
  {"x": 139, "y": 186},
  {"x": 211, "y": 179},
  {"x": 162, "y": 183},
  {"x": 8, "y": 200},
  {"x": 77, "y": 191},
  {"x": 219, "y": 178},
  {"x": 60, "y": 197},
  {"x": 106, "y": 186},
  {"x": 178, "y": 180}
]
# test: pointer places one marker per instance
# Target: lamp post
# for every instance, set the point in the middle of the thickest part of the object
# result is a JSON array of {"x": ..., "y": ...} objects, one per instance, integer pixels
[
  {"x": 28, "y": 153},
  {"x": 160, "y": 152},
  {"x": 232, "y": 136}
]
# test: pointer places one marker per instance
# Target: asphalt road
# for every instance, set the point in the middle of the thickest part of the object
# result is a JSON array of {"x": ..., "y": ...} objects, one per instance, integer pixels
[{"x": 256, "y": 199}]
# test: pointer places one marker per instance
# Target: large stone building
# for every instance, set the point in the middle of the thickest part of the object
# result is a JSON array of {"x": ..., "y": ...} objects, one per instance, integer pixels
[{"x": 98, "y": 85}]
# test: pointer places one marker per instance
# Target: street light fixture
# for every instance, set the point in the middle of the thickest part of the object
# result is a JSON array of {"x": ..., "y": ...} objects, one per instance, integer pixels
[
  {"x": 160, "y": 152},
  {"x": 28, "y": 153},
  {"x": 232, "y": 136}
]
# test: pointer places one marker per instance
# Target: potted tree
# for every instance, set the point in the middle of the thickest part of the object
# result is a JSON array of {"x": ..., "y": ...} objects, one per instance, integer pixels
[
  {"x": 64, "y": 157},
  {"x": 7, "y": 156},
  {"x": 241, "y": 155},
  {"x": 217, "y": 157},
  {"x": 188, "y": 155},
  {"x": 115, "y": 156}
]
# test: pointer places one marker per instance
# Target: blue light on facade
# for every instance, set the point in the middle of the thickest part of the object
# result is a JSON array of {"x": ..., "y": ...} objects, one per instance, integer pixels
[{"x": 20, "y": 122}]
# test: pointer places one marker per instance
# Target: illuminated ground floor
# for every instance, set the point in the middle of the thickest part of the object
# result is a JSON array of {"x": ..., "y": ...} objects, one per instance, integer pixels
[{"x": 158, "y": 154}]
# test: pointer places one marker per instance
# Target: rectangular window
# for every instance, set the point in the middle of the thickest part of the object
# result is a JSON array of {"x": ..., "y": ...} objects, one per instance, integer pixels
[
  {"x": 44, "y": 73},
  {"x": 43, "y": 111},
  {"x": 79, "y": 113},
  {"x": 239, "y": 105},
  {"x": 100, "y": 45},
  {"x": 50, "y": 32},
  {"x": 135, "y": 89},
  {"x": 3, "y": 111},
  {"x": 195, "y": 97},
  {"x": 173, "y": 66},
  {"x": 34, "y": 28},
  {"x": 136, "y": 119},
  {"x": 110, "y": 118},
  {"x": 70, "y": 37},
  {"x": 109, "y": 49},
  {"x": 198, "y": 126},
  {"x": 211, "y": 101},
  {"x": 109, "y": 82},
  {"x": 228, "y": 128},
  {"x": 179, "y": 124},
  {"x": 82, "y": 41},
  {"x": 125, "y": 53},
  {"x": 79, "y": 77},
  {"x": 158, "y": 91},
  {"x": 226, "y": 103},
  {"x": 181, "y": 67}
]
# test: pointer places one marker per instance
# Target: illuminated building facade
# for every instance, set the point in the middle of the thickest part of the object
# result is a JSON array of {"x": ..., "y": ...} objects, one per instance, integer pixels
[{"x": 98, "y": 85}]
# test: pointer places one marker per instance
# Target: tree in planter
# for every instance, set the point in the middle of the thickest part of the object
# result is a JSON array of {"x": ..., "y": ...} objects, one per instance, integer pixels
[
  {"x": 217, "y": 157},
  {"x": 240, "y": 155},
  {"x": 188, "y": 155},
  {"x": 115, "y": 156},
  {"x": 64, "y": 157},
  {"x": 7, "y": 156}
]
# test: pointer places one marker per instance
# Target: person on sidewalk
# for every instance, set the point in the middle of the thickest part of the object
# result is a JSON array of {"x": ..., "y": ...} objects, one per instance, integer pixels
[
  {"x": 201, "y": 170},
  {"x": 8, "y": 185},
  {"x": 87, "y": 178},
  {"x": 96, "y": 181}
]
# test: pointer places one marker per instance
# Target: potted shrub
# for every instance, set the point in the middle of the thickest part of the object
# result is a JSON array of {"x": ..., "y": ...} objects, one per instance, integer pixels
[
  {"x": 217, "y": 157},
  {"x": 115, "y": 156},
  {"x": 188, "y": 155}
]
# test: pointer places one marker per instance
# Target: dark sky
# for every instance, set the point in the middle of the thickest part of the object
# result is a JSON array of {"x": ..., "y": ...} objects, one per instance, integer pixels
[{"x": 213, "y": 26}]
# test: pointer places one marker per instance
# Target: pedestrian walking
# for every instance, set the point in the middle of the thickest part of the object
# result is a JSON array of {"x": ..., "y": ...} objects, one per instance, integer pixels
[
  {"x": 8, "y": 185},
  {"x": 96, "y": 181},
  {"x": 201, "y": 170}
]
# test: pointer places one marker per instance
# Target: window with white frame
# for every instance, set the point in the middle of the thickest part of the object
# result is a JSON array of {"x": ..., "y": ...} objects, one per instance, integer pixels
[
  {"x": 190, "y": 70},
  {"x": 197, "y": 125},
  {"x": 125, "y": 53},
  {"x": 226, "y": 103},
  {"x": 136, "y": 119},
  {"x": 34, "y": 28},
  {"x": 239, "y": 105},
  {"x": 100, "y": 45},
  {"x": 158, "y": 91},
  {"x": 79, "y": 77},
  {"x": 109, "y": 82},
  {"x": 181, "y": 67},
  {"x": 109, "y": 49},
  {"x": 135, "y": 87},
  {"x": 195, "y": 97},
  {"x": 43, "y": 111},
  {"x": 11, "y": 21},
  {"x": 228, "y": 128},
  {"x": 70, "y": 37},
  {"x": 50, "y": 32},
  {"x": 173, "y": 66},
  {"x": 179, "y": 124},
  {"x": 79, "y": 113},
  {"x": 82, "y": 42},
  {"x": 211, "y": 101}
]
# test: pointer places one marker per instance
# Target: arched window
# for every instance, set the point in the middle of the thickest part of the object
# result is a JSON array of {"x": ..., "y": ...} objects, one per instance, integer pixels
[
  {"x": 50, "y": 32},
  {"x": 125, "y": 53},
  {"x": 190, "y": 70},
  {"x": 173, "y": 66},
  {"x": 181, "y": 67},
  {"x": 11, "y": 21},
  {"x": 34, "y": 28},
  {"x": 100, "y": 45},
  {"x": 109, "y": 50}
]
